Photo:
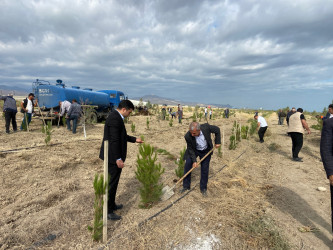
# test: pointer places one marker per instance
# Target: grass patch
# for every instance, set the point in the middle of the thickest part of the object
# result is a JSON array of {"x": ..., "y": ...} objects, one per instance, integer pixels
[
  {"x": 264, "y": 234},
  {"x": 273, "y": 146},
  {"x": 162, "y": 151}
]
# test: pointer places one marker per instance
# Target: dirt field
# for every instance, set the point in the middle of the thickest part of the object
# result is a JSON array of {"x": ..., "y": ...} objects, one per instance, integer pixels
[{"x": 258, "y": 198}]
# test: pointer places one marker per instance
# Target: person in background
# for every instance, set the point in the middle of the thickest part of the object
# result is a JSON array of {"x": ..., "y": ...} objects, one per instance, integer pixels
[
  {"x": 210, "y": 114},
  {"x": 10, "y": 110},
  {"x": 163, "y": 112},
  {"x": 297, "y": 124},
  {"x": 27, "y": 108},
  {"x": 73, "y": 114},
  {"x": 180, "y": 113},
  {"x": 226, "y": 113},
  {"x": 262, "y": 126},
  {"x": 281, "y": 115},
  {"x": 206, "y": 112},
  {"x": 64, "y": 107},
  {"x": 290, "y": 113}
]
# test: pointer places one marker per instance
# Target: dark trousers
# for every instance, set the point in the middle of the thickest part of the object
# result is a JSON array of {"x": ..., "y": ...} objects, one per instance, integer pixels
[
  {"x": 115, "y": 173},
  {"x": 281, "y": 119},
  {"x": 68, "y": 121},
  {"x": 204, "y": 169},
  {"x": 10, "y": 116},
  {"x": 261, "y": 133},
  {"x": 297, "y": 140}
]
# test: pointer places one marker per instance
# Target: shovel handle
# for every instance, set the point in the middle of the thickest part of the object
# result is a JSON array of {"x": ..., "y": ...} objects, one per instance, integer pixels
[{"x": 184, "y": 176}]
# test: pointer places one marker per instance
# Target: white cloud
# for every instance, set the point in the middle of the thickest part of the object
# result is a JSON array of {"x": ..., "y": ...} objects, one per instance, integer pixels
[{"x": 165, "y": 46}]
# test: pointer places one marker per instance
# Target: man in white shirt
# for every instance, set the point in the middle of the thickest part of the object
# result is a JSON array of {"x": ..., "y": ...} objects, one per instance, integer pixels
[
  {"x": 262, "y": 127},
  {"x": 64, "y": 107},
  {"x": 27, "y": 106}
]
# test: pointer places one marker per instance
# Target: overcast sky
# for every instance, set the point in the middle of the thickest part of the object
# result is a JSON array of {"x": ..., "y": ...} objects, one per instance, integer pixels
[{"x": 245, "y": 53}]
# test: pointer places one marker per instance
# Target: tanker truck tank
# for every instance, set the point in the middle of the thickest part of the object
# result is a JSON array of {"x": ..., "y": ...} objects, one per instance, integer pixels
[{"x": 49, "y": 96}]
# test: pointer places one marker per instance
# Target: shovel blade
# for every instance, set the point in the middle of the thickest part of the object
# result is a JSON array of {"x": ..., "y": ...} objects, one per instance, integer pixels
[{"x": 167, "y": 193}]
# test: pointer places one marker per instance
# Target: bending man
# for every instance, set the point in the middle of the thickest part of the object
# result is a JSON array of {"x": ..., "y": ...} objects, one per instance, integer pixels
[{"x": 199, "y": 143}]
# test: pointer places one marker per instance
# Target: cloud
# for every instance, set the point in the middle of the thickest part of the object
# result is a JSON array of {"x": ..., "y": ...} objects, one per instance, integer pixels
[{"x": 245, "y": 53}]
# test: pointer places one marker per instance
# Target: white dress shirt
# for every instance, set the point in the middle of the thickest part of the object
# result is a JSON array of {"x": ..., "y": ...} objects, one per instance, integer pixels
[{"x": 201, "y": 141}]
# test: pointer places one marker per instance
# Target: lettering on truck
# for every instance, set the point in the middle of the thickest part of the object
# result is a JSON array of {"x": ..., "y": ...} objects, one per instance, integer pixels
[{"x": 44, "y": 92}]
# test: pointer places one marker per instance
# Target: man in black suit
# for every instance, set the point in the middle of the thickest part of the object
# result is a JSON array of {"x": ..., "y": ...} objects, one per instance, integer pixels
[
  {"x": 115, "y": 133},
  {"x": 199, "y": 143},
  {"x": 326, "y": 152}
]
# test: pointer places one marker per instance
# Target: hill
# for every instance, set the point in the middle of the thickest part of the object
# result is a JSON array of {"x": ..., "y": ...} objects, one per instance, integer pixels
[
  {"x": 17, "y": 91},
  {"x": 154, "y": 99}
]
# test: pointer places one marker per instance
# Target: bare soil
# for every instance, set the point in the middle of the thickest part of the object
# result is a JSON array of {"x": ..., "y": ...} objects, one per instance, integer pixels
[{"x": 47, "y": 195}]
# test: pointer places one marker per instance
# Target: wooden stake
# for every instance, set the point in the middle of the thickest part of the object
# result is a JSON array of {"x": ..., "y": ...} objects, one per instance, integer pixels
[
  {"x": 26, "y": 121},
  {"x": 105, "y": 205},
  {"x": 40, "y": 112}
]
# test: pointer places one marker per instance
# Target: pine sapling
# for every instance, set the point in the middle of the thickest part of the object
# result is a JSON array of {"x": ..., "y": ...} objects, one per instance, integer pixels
[
  {"x": 194, "y": 117},
  {"x": 149, "y": 173},
  {"x": 100, "y": 190},
  {"x": 244, "y": 132},
  {"x": 171, "y": 122},
  {"x": 47, "y": 130},
  {"x": 147, "y": 123},
  {"x": 133, "y": 127},
  {"x": 181, "y": 164},
  {"x": 232, "y": 144},
  {"x": 219, "y": 152}
]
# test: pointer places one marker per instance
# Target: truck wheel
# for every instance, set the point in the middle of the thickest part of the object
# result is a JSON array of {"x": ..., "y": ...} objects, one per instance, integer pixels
[{"x": 92, "y": 117}]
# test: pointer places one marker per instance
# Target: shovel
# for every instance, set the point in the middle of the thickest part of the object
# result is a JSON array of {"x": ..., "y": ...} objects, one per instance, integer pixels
[{"x": 167, "y": 192}]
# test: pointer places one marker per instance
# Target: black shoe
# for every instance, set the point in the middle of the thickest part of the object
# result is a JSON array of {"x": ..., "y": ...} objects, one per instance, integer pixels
[
  {"x": 117, "y": 207},
  {"x": 113, "y": 216},
  {"x": 261, "y": 141},
  {"x": 297, "y": 159},
  {"x": 204, "y": 192},
  {"x": 184, "y": 190}
]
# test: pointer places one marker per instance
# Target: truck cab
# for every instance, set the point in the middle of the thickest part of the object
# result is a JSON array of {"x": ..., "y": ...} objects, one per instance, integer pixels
[{"x": 115, "y": 97}]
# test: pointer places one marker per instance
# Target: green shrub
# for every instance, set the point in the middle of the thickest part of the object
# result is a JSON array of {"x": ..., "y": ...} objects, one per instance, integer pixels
[
  {"x": 147, "y": 123},
  {"x": 245, "y": 132},
  {"x": 200, "y": 116},
  {"x": 319, "y": 125},
  {"x": 181, "y": 164},
  {"x": 171, "y": 122},
  {"x": 194, "y": 117},
  {"x": 133, "y": 127},
  {"x": 253, "y": 126},
  {"x": 148, "y": 173},
  {"x": 47, "y": 130},
  {"x": 219, "y": 152},
  {"x": 100, "y": 190},
  {"x": 232, "y": 144}
]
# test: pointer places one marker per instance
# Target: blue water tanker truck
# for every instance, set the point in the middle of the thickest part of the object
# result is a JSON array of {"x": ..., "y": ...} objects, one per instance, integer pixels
[{"x": 101, "y": 101}]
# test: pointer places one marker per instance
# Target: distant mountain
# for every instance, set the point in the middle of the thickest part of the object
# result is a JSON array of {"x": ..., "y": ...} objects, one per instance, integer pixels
[
  {"x": 154, "y": 99},
  {"x": 17, "y": 91}
]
